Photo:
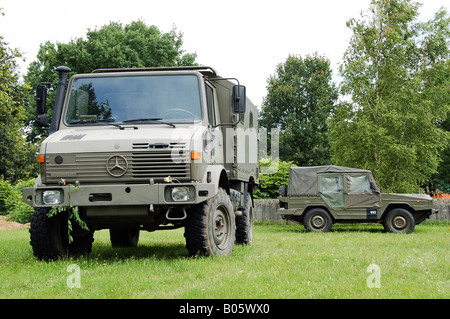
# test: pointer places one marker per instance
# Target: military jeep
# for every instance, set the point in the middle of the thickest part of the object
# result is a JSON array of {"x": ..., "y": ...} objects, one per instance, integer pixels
[{"x": 319, "y": 196}]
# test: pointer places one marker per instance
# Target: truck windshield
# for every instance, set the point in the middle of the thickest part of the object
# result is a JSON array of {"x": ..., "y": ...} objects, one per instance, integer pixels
[{"x": 117, "y": 99}]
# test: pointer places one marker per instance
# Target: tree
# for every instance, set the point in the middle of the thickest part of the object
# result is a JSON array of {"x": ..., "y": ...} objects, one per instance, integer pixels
[
  {"x": 396, "y": 77},
  {"x": 269, "y": 184},
  {"x": 17, "y": 155},
  {"x": 135, "y": 45},
  {"x": 440, "y": 182},
  {"x": 300, "y": 98}
]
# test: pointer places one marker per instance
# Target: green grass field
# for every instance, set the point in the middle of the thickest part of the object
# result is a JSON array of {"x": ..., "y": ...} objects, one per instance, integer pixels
[{"x": 284, "y": 262}]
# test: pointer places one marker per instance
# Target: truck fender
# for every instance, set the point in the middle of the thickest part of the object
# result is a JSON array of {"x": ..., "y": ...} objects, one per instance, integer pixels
[{"x": 216, "y": 174}]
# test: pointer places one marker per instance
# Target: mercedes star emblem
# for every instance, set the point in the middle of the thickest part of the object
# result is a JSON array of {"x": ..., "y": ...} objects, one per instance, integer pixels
[{"x": 116, "y": 165}]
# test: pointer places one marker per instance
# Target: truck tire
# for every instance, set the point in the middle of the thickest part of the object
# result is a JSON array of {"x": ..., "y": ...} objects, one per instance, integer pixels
[
  {"x": 399, "y": 220},
  {"x": 317, "y": 220},
  {"x": 210, "y": 227},
  {"x": 244, "y": 224},
  {"x": 124, "y": 237},
  {"x": 49, "y": 237}
]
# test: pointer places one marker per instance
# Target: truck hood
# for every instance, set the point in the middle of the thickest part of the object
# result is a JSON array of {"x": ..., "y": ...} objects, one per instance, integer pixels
[{"x": 110, "y": 138}]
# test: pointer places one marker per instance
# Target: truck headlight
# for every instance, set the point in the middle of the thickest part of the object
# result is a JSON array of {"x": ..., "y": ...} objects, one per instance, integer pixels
[
  {"x": 52, "y": 197},
  {"x": 180, "y": 194}
]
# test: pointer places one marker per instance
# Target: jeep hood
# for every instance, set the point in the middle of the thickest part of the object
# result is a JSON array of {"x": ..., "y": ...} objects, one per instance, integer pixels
[
  {"x": 394, "y": 196},
  {"x": 113, "y": 139}
]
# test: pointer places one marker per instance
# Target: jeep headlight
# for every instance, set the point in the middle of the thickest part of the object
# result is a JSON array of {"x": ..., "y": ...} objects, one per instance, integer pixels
[
  {"x": 52, "y": 197},
  {"x": 180, "y": 194}
]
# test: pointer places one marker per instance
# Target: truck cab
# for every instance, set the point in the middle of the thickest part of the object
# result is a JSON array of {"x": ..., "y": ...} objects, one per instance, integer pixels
[{"x": 144, "y": 149}]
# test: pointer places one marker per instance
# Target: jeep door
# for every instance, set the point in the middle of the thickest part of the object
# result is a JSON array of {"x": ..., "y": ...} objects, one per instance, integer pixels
[
  {"x": 331, "y": 190},
  {"x": 362, "y": 199}
]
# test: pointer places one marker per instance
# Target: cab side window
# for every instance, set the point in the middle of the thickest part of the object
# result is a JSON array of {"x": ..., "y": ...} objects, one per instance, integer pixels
[{"x": 210, "y": 105}]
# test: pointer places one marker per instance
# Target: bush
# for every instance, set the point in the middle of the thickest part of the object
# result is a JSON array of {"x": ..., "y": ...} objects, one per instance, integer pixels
[
  {"x": 11, "y": 200},
  {"x": 6, "y": 190},
  {"x": 269, "y": 184}
]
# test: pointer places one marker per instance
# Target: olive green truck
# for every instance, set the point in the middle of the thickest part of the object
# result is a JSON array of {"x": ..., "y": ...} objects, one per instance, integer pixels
[
  {"x": 133, "y": 150},
  {"x": 318, "y": 196}
]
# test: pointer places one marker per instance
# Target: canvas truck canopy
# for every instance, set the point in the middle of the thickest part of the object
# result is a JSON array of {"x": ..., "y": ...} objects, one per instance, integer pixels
[{"x": 303, "y": 181}]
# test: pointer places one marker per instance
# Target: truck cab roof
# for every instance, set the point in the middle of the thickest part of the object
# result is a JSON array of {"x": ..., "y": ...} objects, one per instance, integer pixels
[{"x": 206, "y": 71}]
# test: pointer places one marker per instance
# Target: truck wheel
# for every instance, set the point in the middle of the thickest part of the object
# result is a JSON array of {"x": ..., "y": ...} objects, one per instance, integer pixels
[
  {"x": 317, "y": 220},
  {"x": 49, "y": 236},
  {"x": 399, "y": 220},
  {"x": 244, "y": 224},
  {"x": 210, "y": 227},
  {"x": 124, "y": 237}
]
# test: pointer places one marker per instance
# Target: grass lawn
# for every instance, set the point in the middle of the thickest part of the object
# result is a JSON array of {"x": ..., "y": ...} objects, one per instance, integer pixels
[{"x": 284, "y": 262}]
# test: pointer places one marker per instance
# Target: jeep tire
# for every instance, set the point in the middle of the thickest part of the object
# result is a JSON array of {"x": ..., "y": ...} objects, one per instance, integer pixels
[
  {"x": 210, "y": 227},
  {"x": 399, "y": 220},
  {"x": 317, "y": 220}
]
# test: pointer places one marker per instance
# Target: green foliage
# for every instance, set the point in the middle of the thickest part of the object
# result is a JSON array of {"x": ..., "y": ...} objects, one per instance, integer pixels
[
  {"x": 269, "y": 184},
  {"x": 300, "y": 98},
  {"x": 73, "y": 217},
  {"x": 18, "y": 160},
  {"x": 396, "y": 73},
  {"x": 440, "y": 182},
  {"x": 11, "y": 200}
]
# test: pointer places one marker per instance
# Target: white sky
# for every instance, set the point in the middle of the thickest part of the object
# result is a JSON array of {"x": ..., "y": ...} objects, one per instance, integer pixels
[{"x": 245, "y": 39}]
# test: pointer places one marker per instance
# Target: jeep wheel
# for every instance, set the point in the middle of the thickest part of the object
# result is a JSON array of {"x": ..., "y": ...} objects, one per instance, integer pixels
[
  {"x": 399, "y": 220},
  {"x": 49, "y": 236},
  {"x": 244, "y": 224},
  {"x": 317, "y": 220},
  {"x": 210, "y": 227},
  {"x": 124, "y": 237}
]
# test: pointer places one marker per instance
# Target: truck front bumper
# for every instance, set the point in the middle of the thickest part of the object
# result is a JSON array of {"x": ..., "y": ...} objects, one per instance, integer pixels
[{"x": 119, "y": 195}]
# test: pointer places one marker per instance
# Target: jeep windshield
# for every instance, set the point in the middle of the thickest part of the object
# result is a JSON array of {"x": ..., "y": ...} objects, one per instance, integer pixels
[{"x": 142, "y": 99}]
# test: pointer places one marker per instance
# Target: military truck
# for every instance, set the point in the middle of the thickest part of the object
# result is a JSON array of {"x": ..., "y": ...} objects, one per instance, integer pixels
[
  {"x": 133, "y": 150},
  {"x": 318, "y": 196}
]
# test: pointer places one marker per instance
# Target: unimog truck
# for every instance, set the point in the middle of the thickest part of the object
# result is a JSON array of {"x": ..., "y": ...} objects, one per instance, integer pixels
[
  {"x": 318, "y": 196},
  {"x": 133, "y": 150}
]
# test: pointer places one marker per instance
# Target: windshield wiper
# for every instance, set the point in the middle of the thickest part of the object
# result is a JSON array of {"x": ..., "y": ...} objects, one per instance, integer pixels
[
  {"x": 108, "y": 122},
  {"x": 151, "y": 119}
]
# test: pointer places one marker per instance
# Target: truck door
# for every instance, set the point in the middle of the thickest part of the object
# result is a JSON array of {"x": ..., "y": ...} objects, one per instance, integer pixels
[
  {"x": 213, "y": 136},
  {"x": 360, "y": 197}
]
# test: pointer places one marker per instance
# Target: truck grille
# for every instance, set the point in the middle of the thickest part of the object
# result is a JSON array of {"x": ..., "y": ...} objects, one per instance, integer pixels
[
  {"x": 141, "y": 165},
  {"x": 160, "y": 164}
]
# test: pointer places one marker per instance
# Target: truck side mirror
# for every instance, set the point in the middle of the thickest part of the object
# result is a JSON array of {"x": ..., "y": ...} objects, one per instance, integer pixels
[
  {"x": 41, "y": 107},
  {"x": 239, "y": 99},
  {"x": 41, "y": 100}
]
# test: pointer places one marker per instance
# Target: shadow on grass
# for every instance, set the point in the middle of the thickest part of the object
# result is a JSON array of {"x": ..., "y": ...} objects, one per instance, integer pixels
[
  {"x": 293, "y": 227},
  {"x": 359, "y": 228},
  {"x": 166, "y": 251}
]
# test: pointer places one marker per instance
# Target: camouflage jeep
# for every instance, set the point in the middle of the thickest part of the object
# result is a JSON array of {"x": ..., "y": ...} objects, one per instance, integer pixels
[{"x": 319, "y": 196}]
